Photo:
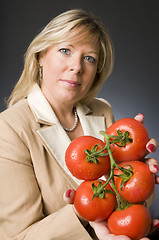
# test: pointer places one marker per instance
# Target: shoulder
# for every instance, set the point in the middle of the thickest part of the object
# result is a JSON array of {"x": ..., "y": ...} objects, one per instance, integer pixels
[
  {"x": 18, "y": 115},
  {"x": 18, "y": 107},
  {"x": 100, "y": 105},
  {"x": 14, "y": 132}
]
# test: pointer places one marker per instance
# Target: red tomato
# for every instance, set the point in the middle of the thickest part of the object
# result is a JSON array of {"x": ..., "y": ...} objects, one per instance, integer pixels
[
  {"x": 98, "y": 209},
  {"x": 134, "y": 150},
  {"x": 141, "y": 184},
  {"x": 76, "y": 161},
  {"x": 134, "y": 222}
]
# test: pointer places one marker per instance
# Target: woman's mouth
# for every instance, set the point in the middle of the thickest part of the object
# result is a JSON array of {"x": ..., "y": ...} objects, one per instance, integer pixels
[{"x": 70, "y": 83}]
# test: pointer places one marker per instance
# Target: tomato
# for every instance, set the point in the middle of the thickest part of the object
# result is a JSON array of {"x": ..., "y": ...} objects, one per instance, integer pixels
[
  {"x": 134, "y": 222},
  {"x": 140, "y": 185},
  {"x": 134, "y": 150},
  {"x": 98, "y": 209},
  {"x": 77, "y": 162}
]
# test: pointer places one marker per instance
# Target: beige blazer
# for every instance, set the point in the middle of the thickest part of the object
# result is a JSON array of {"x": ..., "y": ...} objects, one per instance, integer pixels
[{"x": 33, "y": 174}]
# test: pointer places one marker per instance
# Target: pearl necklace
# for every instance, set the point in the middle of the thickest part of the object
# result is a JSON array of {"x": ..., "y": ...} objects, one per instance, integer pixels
[{"x": 75, "y": 123}]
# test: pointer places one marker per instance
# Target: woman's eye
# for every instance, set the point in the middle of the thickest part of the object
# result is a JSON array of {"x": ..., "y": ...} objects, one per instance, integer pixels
[
  {"x": 65, "y": 51},
  {"x": 90, "y": 59}
]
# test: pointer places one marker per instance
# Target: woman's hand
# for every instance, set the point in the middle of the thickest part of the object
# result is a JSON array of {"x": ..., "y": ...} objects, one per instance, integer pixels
[
  {"x": 101, "y": 228},
  {"x": 151, "y": 148},
  {"x": 68, "y": 197},
  {"x": 152, "y": 162},
  {"x": 103, "y": 233},
  {"x": 152, "y": 144}
]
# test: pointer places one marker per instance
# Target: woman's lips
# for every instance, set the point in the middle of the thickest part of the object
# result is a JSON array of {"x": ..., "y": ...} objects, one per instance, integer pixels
[{"x": 70, "y": 83}]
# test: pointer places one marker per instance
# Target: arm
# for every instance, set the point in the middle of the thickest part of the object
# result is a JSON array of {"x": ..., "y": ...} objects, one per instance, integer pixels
[{"x": 21, "y": 209}]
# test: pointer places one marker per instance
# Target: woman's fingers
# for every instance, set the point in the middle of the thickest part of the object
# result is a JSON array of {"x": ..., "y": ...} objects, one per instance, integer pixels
[
  {"x": 68, "y": 196},
  {"x": 100, "y": 228},
  {"x": 139, "y": 117},
  {"x": 103, "y": 232},
  {"x": 152, "y": 145},
  {"x": 154, "y": 167},
  {"x": 157, "y": 179},
  {"x": 145, "y": 238},
  {"x": 153, "y": 164},
  {"x": 155, "y": 224}
]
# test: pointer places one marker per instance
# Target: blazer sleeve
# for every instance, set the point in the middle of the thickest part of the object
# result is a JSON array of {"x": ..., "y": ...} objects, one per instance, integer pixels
[{"x": 21, "y": 213}]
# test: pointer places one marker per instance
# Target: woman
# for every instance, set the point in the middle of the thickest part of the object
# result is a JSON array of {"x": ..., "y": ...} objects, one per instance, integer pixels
[{"x": 53, "y": 103}]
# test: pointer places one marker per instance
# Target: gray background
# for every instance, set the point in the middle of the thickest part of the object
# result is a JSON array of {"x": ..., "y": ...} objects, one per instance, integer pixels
[{"x": 133, "y": 25}]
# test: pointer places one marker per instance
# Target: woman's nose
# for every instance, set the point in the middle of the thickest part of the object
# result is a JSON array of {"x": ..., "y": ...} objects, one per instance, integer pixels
[{"x": 76, "y": 65}]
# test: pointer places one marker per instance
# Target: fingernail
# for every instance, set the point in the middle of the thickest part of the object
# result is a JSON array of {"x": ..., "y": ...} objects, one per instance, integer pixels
[
  {"x": 141, "y": 114},
  {"x": 151, "y": 147},
  {"x": 67, "y": 194},
  {"x": 157, "y": 225},
  {"x": 156, "y": 167}
]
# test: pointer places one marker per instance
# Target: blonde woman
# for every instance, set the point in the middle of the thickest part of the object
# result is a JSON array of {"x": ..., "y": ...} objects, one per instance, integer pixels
[{"x": 53, "y": 103}]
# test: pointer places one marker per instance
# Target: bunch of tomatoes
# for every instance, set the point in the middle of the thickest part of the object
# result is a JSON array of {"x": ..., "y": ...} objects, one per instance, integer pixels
[{"x": 120, "y": 199}]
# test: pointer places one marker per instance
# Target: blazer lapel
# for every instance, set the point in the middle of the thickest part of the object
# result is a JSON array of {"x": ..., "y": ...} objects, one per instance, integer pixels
[
  {"x": 57, "y": 141},
  {"x": 91, "y": 125},
  {"x": 53, "y": 135}
]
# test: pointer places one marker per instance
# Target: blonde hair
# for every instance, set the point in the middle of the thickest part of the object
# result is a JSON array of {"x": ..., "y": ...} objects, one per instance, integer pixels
[{"x": 57, "y": 31}]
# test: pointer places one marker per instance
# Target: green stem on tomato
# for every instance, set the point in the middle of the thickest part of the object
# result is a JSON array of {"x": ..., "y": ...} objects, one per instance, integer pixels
[
  {"x": 120, "y": 140},
  {"x": 93, "y": 155},
  {"x": 122, "y": 204}
]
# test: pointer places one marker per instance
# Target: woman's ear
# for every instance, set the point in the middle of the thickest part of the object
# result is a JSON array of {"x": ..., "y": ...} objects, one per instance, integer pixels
[
  {"x": 40, "y": 60},
  {"x": 41, "y": 57}
]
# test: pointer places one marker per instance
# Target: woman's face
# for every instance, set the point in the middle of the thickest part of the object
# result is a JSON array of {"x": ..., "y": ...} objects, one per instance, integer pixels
[{"x": 68, "y": 71}]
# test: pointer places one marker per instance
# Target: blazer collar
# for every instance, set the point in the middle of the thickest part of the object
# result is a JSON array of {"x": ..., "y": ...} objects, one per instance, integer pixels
[
  {"x": 43, "y": 110},
  {"x": 40, "y": 106},
  {"x": 54, "y": 137}
]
